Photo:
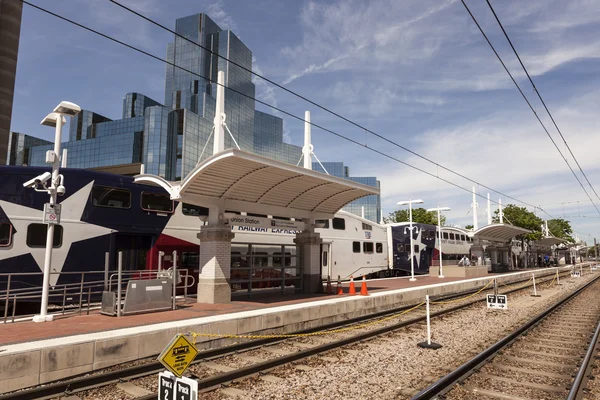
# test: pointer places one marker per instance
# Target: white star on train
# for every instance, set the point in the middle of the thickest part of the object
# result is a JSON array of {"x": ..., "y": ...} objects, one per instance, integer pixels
[{"x": 71, "y": 211}]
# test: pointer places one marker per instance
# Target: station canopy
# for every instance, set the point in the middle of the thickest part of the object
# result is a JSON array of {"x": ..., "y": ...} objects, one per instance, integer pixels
[
  {"x": 499, "y": 232},
  {"x": 240, "y": 181},
  {"x": 549, "y": 241}
]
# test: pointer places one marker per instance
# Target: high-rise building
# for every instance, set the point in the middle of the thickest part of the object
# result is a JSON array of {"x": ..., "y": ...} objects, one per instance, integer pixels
[
  {"x": 170, "y": 139},
  {"x": 10, "y": 29}
]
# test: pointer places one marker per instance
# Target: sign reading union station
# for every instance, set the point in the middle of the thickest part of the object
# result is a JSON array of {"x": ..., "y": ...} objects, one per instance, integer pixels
[{"x": 261, "y": 222}]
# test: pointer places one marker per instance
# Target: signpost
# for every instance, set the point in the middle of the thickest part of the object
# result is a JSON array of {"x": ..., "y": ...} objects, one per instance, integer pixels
[
  {"x": 178, "y": 355},
  {"x": 575, "y": 274},
  {"x": 52, "y": 213},
  {"x": 497, "y": 301},
  {"x": 166, "y": 386}
]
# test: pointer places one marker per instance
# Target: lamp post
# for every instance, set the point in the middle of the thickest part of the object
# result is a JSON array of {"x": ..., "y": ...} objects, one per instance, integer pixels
[
  {"x": 439, "y": 210},
  {"x": 51, "y": 214},
  {"x": 412, "y": 250}
]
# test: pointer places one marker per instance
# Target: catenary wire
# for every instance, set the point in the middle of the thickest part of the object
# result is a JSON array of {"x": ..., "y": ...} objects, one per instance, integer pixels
[
  {"x": 312, "y": 102},
  {"x": 528, "y": 103},
  {"x": 540, "y": 97},
  {"x": 275, "y": 108}
]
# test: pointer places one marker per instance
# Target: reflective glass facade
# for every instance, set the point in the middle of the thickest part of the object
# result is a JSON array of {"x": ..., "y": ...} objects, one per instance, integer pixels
[
  {"x": 371, "y": 204},
  {"x": 19, "y": 147},
  {"x": 170, "y": 139}
]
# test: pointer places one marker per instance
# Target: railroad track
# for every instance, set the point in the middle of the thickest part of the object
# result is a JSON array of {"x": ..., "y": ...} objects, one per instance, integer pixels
[
  {"x": 539, "y": 360},
  {"x": 211, "y": 375}
]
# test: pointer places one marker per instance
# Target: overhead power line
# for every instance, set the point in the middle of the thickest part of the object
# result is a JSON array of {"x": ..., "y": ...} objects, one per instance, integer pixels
[
  {"x": 276, "y": 108},
  {"x": 312, "y": 102},
  {"x": 528, "y": 103},
  {"x": 540, "y": 97}
]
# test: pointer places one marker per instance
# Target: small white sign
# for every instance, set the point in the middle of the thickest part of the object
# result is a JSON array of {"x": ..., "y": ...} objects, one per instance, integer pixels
[
  {"x": 498, "y": 301},
  {"x": 593, "y": 267},
  {"x": 166, "y": 386},
  {"x": 186, "y": 389},
  {"x": 52, "y": 213},
  {"x": 575, "y": 274}
]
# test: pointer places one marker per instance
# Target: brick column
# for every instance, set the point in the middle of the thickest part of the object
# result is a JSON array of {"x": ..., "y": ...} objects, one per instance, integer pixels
[
  {"x": 309, "y": 247},
  {"x": 215, "y": 264}
]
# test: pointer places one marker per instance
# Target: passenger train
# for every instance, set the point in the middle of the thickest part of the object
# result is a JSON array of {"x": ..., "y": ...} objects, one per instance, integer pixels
[{"x": 104, "y": 213}]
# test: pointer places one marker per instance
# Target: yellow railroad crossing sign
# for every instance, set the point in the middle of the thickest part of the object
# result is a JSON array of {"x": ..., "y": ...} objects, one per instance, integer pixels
[{"x": 178, "y": 355}]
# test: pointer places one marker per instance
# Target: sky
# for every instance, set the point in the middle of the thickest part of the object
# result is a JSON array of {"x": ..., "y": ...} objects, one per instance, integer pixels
[{"x": 416, "y": 72}]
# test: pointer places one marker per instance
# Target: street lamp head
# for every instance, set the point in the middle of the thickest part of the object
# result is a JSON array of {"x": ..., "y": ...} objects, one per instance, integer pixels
[
  {"x": 67, "y": 108},
  {"x": 438, "y": 209},
  {"x": 403, "y": 203},
  {"x": 52, "y": 118}
]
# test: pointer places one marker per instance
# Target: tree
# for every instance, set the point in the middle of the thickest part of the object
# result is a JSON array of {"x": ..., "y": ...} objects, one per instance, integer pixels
[
  {"x": 519, "y": 216},
  {"x": 419, "y": 215},
  {"x": 561, "y": 229},
  {"x": 469, "y": 227}
]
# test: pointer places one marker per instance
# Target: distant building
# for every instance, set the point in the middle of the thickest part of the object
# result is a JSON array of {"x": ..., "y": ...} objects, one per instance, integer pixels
[
  {"x": 170, "y": 138},
  {"x": 10, "y": 29}
]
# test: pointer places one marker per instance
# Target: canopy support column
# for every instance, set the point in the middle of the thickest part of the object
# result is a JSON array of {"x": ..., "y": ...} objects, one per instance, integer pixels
[
  {"x": 477, "y": 251},
  {"x": 309, "y": 248},
  {"x": 215, "y": 261}
]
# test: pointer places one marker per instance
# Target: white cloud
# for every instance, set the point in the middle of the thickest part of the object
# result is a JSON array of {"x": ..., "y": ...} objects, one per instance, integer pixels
[{"x": 217, "y": 13}]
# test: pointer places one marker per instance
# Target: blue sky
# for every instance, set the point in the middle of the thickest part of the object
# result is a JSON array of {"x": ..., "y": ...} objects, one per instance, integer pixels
[{"x": 417, "y": 72}]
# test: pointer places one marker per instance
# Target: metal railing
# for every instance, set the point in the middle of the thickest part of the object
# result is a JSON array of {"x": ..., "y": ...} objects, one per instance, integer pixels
[{"x": 74, "y": 298}]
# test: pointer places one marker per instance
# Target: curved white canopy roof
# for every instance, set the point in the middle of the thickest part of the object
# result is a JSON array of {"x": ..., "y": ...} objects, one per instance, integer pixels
[
  {"x": 241, "y": 181},
  {"x": 549, "y": 241},
  {"x": 499, "y": 232}
]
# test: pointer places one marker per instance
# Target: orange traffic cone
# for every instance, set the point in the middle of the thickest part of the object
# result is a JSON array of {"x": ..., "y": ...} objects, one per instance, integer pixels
[
  {"x": 363, "y": 287},
  {"x": 328, "y": 288},
  {"x": 340, "y": 290},
  {"x": 352, "y": 290}
]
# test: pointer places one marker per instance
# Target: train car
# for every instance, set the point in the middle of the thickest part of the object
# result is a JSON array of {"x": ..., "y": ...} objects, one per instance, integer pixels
[
  {"x": 106, "y": 214},
  {"x": 456, "y": 243},
  {"x": 424, "y": 238}
]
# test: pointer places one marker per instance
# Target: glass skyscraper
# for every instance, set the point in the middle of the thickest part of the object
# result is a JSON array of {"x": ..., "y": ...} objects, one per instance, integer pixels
[{"x": 169, "y": 139}]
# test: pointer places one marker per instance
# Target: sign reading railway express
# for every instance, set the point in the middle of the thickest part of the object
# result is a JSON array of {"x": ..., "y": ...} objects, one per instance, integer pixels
[
  {"x": 497, "y": 301},
  {"x": 265, "y": 223},
  {"x": 178, "y": 355}
]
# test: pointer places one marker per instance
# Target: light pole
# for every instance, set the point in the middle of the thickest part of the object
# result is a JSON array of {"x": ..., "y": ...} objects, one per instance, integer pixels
[
  {"x": 439, "y": 210},
  {"x": 412, "y": 249},
  {"x": 51, "y": 214}
]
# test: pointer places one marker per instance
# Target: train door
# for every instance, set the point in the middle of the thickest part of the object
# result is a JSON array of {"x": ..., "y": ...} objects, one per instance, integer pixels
[
  {"x": 326, "y": 268},
  {"x": 135, "y": 249}
]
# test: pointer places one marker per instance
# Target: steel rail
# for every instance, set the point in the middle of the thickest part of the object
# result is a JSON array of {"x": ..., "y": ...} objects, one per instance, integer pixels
[
  {"x": 96, "y": 380},
  {"x": 448, "y": 381},
  {"x": 578, "y": 383}
]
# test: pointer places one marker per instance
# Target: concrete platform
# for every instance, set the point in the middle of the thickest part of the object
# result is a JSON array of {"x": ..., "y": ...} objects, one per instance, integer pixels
[
  {"x": 454, "y": 271},
  {"x": 36, "y": 353}
]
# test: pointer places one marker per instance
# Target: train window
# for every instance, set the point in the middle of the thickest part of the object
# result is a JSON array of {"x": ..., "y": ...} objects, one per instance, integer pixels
[
  {"x": 324, "y": 258},
  {"x": 5, "y": 234},
  {"x": 104, "y": 196},
  {"x": 400, "y": 248},
  {"x": 277, "y": 259},
  {"x": 193, "y": 210},
  {"x": 367, "y": 227},
  {"x": 36, "y": 235},
  {"x": 445, "y": 234},
  {"x": 339, "y": 223},
  {"x": 379, "y": 247},
  {"x": 189, "y": 260},
  {"x": 324, "y": 222},
  {"x": 462, "y": 237},
  {"x": 237, "y": 261},
  {"x": 452, "y": 236},
  {"x": 157, "y": 202},
  {"x": 367, "y": 247},
  {"x": 356, "y": 247},
  {"x": 261, "y": 259}
]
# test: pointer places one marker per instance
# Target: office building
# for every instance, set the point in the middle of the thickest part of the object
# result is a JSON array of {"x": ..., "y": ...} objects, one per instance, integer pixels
[
  {"x": 169, "y": 139},
  {"x": 10, "y": 29}
]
